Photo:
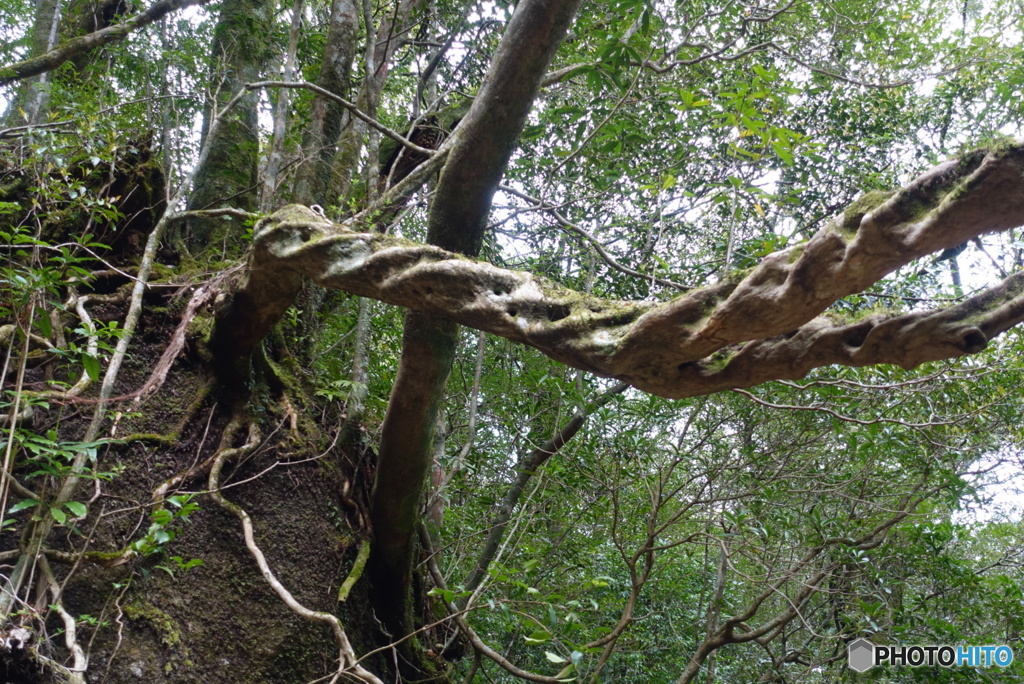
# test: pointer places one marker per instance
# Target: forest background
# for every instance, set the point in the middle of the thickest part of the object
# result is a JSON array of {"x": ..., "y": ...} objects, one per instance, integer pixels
[{"x": 739, "y": 381}]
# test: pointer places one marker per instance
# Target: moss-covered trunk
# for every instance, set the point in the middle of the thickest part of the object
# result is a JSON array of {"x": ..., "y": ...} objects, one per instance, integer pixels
[
  {"x": 228, "y": 177},
  {"x": 163, "y": 593}
]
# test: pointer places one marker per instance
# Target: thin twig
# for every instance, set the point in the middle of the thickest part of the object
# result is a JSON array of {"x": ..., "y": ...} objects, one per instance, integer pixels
[
  {"x": 351, "y": 106},
  {"x": 543, "y": 205}
]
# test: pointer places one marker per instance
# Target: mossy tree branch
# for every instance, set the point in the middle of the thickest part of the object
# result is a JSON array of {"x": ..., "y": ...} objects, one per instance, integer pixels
[{"x": 763, "y": 326}]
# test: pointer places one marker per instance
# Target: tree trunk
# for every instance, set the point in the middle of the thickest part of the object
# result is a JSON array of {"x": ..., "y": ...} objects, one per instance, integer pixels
[
  {"x": 268, "y": 198},
  {"x": 28, "y": 106},
  {"x": 240, "y": 54},
  {"x": 328, "y": 117},
  {"x": 456, "y": 222}
]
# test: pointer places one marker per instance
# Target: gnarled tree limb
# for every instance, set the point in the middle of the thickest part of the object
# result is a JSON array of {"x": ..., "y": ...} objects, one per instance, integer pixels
[{"x": 762, "y": 326}]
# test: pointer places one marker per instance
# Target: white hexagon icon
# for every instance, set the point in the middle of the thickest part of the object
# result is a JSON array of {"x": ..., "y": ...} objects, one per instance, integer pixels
[{"x": 862, "y": 655}]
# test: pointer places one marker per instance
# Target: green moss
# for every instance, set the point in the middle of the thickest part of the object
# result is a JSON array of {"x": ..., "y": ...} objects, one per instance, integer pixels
[
  {"x": 293, "y": 212},
  {"x": 580, "y": 309},
  {"x": 853, "y": 316},
  {"x": 160, "y": 621},
  {"x": 971, "y": 159},
  {"x": 356, "y": 572},
  {"x": 161, "y": 272},
  {"x": 736, "y": 276},
  {"x": 285, "y": 376},
  {"x": 200, "y": 328},
  {"x": 104, "y": 558},
  {"x": 997, "y": 145},
  {"x": 859, "y": 208},
  {"x": 152, "y": 438},
  {"x": 717, "y": 361}
]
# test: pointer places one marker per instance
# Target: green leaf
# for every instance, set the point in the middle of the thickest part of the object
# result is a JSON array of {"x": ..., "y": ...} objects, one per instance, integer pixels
[
  {"x": 445, "y": 595},
  {"x": 58, "y": 515},
  {"x": 162, "y": 517},
  {"x": 540, "y": 636},
  {"x": 43, "y": 323},
  {"x": 187, "y": 565},
  {"x": 76, "y": 508},
  {"x": 92, "y": 366},
  {"x": 22, "y": 505},
  {"x": 563, "y": 674}
]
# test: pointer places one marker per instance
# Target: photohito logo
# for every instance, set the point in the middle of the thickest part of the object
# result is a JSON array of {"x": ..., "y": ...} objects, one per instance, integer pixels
[{"x": 864, "y": 655}]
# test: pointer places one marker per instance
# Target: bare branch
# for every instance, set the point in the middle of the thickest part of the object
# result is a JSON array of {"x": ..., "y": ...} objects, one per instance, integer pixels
[
  {"x": 351, "y": 106},
  {"x": 240, "y": 214},
  {"x": 594, "y": 242}
]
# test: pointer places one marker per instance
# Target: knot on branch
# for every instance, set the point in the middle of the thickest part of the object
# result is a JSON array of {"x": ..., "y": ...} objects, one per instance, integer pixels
[{"x": 972, "y": 340}]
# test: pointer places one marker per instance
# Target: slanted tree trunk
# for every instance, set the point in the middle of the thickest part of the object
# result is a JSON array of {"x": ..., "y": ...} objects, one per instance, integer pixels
[{"x": 29, "y": 104}]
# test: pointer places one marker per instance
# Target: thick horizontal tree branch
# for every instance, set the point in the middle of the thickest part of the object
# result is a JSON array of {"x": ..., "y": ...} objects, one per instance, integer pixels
[
  {"x": 76, "y": 46},
  {"x": 761, "y": 325}
]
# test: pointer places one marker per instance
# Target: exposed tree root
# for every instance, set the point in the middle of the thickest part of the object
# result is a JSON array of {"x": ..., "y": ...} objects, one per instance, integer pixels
[{"x": 348, "y": 662}]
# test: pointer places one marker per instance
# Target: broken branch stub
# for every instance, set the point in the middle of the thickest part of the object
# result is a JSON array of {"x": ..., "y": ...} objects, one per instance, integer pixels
[{"x": 761, "y": 325}]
